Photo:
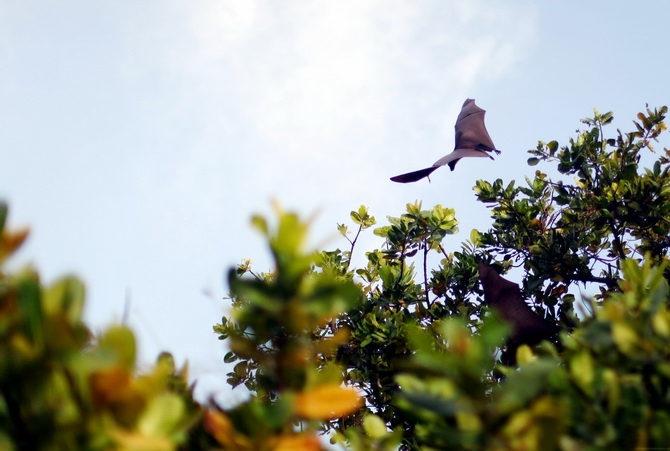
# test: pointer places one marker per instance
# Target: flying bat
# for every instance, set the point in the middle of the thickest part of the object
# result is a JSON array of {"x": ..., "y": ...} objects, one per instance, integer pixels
[
  {"x": 472, "y": 140},
  {"x": 505, "y": 297}
]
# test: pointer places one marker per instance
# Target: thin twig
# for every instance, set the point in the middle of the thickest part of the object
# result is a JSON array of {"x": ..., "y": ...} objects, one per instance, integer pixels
[
  {"x": 425, "y": 274},
  {"x": 351, "y": 251}
]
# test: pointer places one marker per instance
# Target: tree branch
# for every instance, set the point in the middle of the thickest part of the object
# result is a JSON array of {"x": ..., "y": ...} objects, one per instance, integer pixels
[
  {"x": 351, "y": 251},
  {"x": 425, "y": 274}
]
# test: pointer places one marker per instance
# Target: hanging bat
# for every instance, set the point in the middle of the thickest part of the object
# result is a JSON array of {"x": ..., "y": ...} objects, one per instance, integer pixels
[
  {"x": 472, "y": 140},
  {"x": 505, "y": 297}
]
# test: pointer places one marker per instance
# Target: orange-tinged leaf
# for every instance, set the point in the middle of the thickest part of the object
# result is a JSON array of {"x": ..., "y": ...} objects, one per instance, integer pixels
[
  {"x": 297, "y": 442},
  {"x": 114, "y": 389},
  {"x": 330, "y": 345},
  {"x": 11, "y": 241},
  {"x": 327, "y": 402},
  {"x": 109, "y": 386},
  {"x": 221, "y": 428}
]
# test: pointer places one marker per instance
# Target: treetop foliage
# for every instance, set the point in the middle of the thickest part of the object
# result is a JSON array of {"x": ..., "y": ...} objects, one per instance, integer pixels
[
  {"x": 401, "y": 351},
  {"x": 62, "y": 388},
  {"x": 424, "y": 349}
]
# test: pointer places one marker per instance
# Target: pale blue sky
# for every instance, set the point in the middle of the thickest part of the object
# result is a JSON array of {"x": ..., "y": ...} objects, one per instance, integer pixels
[{"x": 137, "y": 138}]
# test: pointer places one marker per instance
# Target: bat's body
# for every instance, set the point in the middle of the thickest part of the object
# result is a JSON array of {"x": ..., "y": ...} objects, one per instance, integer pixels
[
  {"x": 472, "y": 140},
  {"x": 505, "y": 297}
]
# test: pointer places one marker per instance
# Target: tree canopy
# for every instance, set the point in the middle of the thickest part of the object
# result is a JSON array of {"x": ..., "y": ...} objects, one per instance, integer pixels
[
  {"x": 424, "y": 349},
  {"x": 407, "y": 350}
]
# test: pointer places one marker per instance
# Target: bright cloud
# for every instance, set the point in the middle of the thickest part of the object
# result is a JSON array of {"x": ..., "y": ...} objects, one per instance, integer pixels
[
  {"x": 319, "y": 84},
  {"x": 163, "y": 124}
]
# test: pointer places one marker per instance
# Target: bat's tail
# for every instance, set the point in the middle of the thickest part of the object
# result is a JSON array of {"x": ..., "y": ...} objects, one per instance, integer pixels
[{"x": 414, "y": 176}]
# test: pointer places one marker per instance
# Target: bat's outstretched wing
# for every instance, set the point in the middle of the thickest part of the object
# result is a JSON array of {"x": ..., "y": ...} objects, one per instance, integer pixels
[
  {"x": 472, "y": 140},
  {"x": 505, "y": 297},
  {"x": 470, "y": 129},
  {"x": 414, "y": 176},
  {"x": 457, "y": 154}
]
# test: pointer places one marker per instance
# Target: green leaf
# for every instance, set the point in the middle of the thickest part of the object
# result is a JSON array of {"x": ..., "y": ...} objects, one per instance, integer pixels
[
  {"x": 29, "y": 297},
  {"x": 374, "y": 426},
  {"x": 230, "y": 357},
  {"x": 260, "y": 223},
  {"x": 3, "y": 215},
  {"x": 65, "y": 297},
  {"x": 162, "y": 416},
  {"x": 121, "y": 342},
  {"x": 343, "y": 230},
  {"x": 431, "y": 403}
]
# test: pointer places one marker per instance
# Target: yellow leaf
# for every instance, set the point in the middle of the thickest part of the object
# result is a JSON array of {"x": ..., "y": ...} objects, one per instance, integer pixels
[
  {"x": 468, "y": 421},
  {"x": 297, "y": 442},
  {"x": 524, "y": 355},
  {"x": 624, "y": 336},
  {"x": 374, "y": 426},
  {"x": 458, "y": 337},
  {"x": 581, "y": 367},
  {"x": 537, "y": 427},
  {"x": 613, "y": 389},
  {"x": 661, "y": 323},
  {"x": 613, "y": 311},
  {"x": 330, "y": 345},
  {"x": 121, "y": 341},
  {"x": 130, "y": 441},
  {"x": 162, "y": 415},
  {"x": 327, "y": 402},
  {"x": 518, "y": 423},
  {"x": 19, "y": 345}
]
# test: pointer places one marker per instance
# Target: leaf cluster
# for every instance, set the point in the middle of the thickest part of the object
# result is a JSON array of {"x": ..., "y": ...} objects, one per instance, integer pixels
[
  {"x": 565, "y": 232},
  {"x": 424, "y": 350},
  {"x": 283, "y": 333},
  {"x": 62, "y": 388},
  {"x": 401, "y": 352}
]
